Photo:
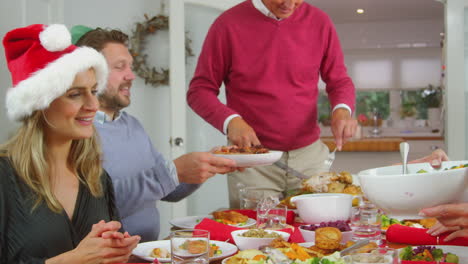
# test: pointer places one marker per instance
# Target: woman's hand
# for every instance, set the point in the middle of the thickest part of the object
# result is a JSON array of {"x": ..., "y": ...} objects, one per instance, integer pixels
[
  {"x": 451, "y": 217},
  {"x": 435, "y": 158},
  {"x": 104, "y": 244}
]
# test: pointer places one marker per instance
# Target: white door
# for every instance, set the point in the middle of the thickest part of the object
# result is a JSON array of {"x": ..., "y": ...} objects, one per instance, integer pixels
[
  {"x": 14, "y": 14},
  {"x": 456, "y": 47},
  {"x": 193, "y": 17}
]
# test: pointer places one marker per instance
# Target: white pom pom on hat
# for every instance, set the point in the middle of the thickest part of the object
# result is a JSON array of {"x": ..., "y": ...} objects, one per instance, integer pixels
[{"x": 55, "y": 37}]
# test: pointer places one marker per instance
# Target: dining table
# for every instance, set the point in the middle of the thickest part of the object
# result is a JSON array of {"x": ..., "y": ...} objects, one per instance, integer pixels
[{"x": 296, "y": 224}]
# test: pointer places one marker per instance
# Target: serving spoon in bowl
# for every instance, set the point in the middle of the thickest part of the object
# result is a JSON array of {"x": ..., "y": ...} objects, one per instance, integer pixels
[{"x": 404, "y": 149}]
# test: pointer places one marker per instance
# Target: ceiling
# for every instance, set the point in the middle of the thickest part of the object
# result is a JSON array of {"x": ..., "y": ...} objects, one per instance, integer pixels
[{"x": 344, "y": 11}]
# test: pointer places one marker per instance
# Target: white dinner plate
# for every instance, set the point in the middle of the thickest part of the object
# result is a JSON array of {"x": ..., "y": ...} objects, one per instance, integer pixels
[
  {"x": 251, "y": 160},
  {"x": 143, "y": 250},
  {"x": 250, "y": 222},
  {"x": 191, "y": 221},
  {"x": 188, "y": 221}
]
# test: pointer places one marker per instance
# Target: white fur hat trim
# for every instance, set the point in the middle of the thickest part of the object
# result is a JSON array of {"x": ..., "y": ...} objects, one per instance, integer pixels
[{"x": 51, "y": 82}]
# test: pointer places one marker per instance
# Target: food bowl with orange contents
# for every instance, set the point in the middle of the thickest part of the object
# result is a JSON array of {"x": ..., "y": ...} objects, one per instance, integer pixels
[
  {"x": 255, "y": 238},
  {"x": 308, "y": 231}
]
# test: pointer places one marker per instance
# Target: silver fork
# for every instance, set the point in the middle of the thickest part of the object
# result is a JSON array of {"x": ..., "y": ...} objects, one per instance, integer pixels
[{"x": 330, "y": 159}]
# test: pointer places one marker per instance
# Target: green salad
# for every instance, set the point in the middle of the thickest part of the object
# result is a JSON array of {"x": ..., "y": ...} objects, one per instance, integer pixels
[
  {"x": 334, "y": 258},
  {"x": 427, "y": 253},
  {"x": 451, "y": 168}
]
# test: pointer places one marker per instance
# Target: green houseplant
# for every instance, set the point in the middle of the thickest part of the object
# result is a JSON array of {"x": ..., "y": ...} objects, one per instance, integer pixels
[{"x": 432, "y": 96}]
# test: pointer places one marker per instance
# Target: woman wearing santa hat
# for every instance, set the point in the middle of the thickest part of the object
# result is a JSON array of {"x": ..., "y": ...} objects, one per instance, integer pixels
[{"x": 56, "y": 202}]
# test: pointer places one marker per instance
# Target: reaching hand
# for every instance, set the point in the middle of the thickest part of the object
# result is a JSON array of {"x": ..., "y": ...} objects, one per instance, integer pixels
[
  {"x": 450, "y": 216},
  {"x": 439, "y": 228},
  {"x": 343, "y": 126},
  {"x": 197, "y": 167},
  {"x": 239, "y": 133},
  {"x": 435, "y": 158}
]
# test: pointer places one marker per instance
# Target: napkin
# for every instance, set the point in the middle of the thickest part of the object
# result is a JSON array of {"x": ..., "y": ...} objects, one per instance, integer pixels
[
  {"x": 418, "y": 236},
  {"x": 218, "y": 231}
]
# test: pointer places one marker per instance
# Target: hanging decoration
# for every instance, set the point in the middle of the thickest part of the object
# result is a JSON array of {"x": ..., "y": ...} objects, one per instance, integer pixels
[{"x": 137, "y": 48}]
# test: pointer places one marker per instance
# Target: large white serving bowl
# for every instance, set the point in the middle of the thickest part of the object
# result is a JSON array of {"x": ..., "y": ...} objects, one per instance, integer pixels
[
  {"x": 244, "y": 243},
  {"x": 403, "y": 196},
  {"x": 323, "y": 207}
]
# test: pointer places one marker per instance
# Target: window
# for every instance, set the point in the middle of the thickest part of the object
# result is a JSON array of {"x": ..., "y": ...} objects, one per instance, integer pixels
[{"x": 395, "y": 82}]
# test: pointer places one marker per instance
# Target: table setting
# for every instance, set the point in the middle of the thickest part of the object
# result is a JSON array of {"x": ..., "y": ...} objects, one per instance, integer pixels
[{"x": 302, "y": 222}]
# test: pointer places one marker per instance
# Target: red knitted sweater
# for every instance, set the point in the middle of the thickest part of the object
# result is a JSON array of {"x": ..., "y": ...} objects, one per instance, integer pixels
[{"x": 270, "y": 70}]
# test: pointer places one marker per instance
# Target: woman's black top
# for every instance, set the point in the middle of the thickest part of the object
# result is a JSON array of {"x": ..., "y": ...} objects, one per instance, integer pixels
[{"x": 32, "y": 236}]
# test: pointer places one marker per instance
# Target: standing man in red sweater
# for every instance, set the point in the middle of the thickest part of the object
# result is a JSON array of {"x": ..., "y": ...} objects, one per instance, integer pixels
[{"x": 269, "y": 54}]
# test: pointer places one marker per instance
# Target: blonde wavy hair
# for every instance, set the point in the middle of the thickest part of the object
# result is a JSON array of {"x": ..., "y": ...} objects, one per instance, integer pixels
[{"x": 27, "y": 152}]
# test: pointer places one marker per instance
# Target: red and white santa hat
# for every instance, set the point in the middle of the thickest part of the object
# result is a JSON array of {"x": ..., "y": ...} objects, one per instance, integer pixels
[{"x": 43, "y": 64}]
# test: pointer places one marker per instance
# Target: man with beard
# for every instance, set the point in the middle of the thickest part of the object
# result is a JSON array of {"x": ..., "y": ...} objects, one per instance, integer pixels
[{"x": 140, "y": 174}]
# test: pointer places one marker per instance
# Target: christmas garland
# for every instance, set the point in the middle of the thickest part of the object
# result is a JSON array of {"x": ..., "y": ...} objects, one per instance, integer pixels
[{"x": 137, "y": 47}]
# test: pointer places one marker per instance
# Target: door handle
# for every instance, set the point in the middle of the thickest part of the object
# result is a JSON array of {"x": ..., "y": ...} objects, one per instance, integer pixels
[{"x": 178, "y": 141}]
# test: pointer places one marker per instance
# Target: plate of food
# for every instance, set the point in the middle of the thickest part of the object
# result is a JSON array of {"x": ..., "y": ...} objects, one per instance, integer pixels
[
  {"x": 161, "y": 250},
  {"x": 248, "y": 156},
  {"x": 448, "y": 254},
  {"x": 387, "y": 221},
  {"x": 233, "y": 218},
  {"x": 188, "y": 222}
]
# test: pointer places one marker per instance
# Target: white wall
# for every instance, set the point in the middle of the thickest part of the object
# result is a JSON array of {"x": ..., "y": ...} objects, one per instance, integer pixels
[
  {"x": 201, "y": 135},
  {"x": 390, "y": 34}
]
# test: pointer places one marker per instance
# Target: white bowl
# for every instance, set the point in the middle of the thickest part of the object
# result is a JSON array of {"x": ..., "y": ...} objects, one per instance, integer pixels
[
  {"x": 403, "y": 196},
  {"x": 309, "y": 236},
  {"x": 323, "y": 207},
  {"x": 244, "y": 243}
]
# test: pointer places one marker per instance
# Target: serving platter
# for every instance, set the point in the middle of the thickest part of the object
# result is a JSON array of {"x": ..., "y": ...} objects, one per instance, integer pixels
[{"x": 251, "y": 160}]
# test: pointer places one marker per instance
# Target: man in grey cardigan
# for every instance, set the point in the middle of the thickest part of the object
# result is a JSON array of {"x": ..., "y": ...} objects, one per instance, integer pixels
[{"x": 140, "y": 174}]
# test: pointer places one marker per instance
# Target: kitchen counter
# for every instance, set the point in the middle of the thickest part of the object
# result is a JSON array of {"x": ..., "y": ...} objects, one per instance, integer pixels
[
  {"x": 381, "y": 144},
  {"x": 407, "y": 133}
]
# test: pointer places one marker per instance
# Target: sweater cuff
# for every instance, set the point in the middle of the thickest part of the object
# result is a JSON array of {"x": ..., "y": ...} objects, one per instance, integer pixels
[
  {"x": 343, "y": 106},
  {"x": 226, "y": 122},
  {"x": 172, "y": 171}
]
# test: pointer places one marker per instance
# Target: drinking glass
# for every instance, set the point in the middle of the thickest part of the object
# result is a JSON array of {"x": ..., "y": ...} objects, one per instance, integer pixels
[
  {"x": 365, "y": 222},
  {"x": 381, "y": 255},
  {"x": 250, "y": 196},
  {"x": 190, "y": 246},
  {"x": 272, "y": 218}
]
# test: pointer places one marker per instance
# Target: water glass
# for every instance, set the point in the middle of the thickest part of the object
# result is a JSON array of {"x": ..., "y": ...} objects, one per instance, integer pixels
[
  {"x": 250, "y": 196},
  {"x": 365, "y": 222},
  {"x": 190, "y": 246},
  {"x": 272, "y": 218},
  {"x": 381, "y": 255}
]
